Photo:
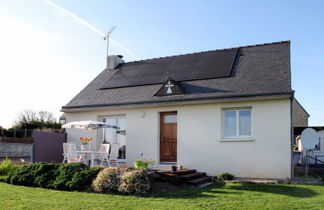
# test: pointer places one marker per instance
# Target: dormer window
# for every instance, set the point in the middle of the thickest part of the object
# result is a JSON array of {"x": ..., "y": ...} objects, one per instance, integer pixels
[{"x": 170, "y": 87}]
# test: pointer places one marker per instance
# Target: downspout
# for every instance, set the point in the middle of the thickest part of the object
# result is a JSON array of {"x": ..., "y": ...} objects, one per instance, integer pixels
[{"x": 292, "y": 140}]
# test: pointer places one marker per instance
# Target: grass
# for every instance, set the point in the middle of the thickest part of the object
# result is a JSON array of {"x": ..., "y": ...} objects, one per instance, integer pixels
[{"x": 229, "y": 196}]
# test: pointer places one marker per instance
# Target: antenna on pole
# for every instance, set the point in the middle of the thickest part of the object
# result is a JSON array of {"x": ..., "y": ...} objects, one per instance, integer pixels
[{"x": 107, "y": 38}]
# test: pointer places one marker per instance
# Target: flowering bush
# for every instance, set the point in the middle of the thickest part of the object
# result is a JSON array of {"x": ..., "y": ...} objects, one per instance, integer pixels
[{"x": 135, "y": 182}]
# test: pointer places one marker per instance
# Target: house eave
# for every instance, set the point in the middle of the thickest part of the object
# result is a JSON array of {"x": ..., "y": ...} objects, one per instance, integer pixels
[
  {"x": 302, "y": 107},
  {"x": 172, "y": 101}
]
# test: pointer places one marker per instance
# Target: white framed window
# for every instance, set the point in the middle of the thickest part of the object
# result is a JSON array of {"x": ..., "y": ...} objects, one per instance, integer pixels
[
  {"x": 236, "y": 123},
  {"x": 110, "y": 134}
]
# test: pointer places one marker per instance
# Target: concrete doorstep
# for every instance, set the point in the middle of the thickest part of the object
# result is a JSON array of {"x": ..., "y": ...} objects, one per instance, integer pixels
[
  {"x": 304, "y": 180},
  {"x": 239, "y": 180}
]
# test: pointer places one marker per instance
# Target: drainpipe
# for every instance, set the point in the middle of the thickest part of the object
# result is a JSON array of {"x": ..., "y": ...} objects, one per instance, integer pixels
[{"x": 292, "y": 140}]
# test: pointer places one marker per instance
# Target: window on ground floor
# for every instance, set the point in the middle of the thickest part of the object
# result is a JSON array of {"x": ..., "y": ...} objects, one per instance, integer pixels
[
  {"x": 236, "y": 123},
  {"x": 112, "y": 136}
]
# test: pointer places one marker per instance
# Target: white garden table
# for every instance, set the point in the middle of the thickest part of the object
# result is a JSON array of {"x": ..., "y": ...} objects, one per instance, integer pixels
[{"x": 91, "y": 154}]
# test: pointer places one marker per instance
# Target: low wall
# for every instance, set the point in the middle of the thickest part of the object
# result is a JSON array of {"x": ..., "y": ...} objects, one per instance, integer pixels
[
  {"x": 16, "y": 140},
  {"x": 15, "y": 149}
]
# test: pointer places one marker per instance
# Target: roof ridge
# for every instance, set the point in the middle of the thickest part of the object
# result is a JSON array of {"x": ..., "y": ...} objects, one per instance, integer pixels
[{"x": 222, "y": 49}]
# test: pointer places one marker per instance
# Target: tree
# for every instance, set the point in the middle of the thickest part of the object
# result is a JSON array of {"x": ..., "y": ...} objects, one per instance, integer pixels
[
  {"x": 26, "y": 116},
  {"x": 31, "y": 119},
  {"x": 45, "y": 116}
]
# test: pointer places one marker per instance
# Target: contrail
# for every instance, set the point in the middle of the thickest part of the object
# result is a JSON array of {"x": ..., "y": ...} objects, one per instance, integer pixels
[{"x": 88, "y": 25}]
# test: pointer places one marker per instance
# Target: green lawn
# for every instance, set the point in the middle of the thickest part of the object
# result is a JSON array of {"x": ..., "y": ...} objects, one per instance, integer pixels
[{"x": 229, "y": 196}]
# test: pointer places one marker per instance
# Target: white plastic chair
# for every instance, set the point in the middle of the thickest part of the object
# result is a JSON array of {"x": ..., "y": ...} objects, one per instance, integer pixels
[
  {"x": 113, "y": 157},
  {"x": 104, "y": 154},
  {"x": 65, "y": 153},
  {"x": 73, "y": 156}
]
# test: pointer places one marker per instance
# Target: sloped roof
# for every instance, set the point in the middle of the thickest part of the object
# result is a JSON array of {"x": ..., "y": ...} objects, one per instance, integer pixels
[{"x": 258, "y": 71}]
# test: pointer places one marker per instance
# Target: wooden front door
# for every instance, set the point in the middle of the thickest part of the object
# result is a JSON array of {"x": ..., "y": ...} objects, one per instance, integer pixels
[{"x": 168, "y": 137}]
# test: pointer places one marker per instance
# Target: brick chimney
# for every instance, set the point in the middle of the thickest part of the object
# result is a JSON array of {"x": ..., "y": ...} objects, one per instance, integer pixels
[{"x": 114, "y": 60}]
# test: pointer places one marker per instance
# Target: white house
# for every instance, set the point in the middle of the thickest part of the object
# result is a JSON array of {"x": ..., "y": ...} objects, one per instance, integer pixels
[{"x": 226, "y": 110}]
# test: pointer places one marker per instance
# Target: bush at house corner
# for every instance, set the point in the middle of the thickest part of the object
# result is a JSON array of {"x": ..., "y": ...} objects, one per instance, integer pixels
[
  {"x": 225, "y": 176},
  {"x": 143, "y": 163}
]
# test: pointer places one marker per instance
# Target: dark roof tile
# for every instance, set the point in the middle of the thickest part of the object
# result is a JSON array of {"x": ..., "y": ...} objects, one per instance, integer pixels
[{"x": 263, "y": 69}]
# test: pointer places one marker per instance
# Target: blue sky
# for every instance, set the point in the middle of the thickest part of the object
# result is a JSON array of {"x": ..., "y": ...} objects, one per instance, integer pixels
[{"x": 49, "y": 56}]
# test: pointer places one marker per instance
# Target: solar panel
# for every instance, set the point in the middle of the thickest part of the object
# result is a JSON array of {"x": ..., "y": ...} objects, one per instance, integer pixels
[
  {"x": 185, "y": 67},
  {"x": 206, "y": 65},
  {"x": 187, "y": 62},
  {"x": 124, "y": 75},
  {"x": 216, "y": 64},
  {"x": 152, "y": 69},
  {"x": 147, "y": 80},
  {"x": 153, "y": 72},
  {"x": 156, "y": 66}
]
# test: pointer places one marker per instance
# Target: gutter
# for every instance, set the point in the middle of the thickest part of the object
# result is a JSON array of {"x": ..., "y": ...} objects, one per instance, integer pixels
[{"x": 291, "y": 93}]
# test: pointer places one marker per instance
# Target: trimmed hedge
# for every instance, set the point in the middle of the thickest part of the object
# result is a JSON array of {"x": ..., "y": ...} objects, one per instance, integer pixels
[{"x": 70, "y": 176}]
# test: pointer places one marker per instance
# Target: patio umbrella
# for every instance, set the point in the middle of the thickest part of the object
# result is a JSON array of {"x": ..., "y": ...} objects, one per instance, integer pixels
[{"x": 88, "y": 125}]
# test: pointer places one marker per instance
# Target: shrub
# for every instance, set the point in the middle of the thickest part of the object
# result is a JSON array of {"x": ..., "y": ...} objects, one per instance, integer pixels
[
  {"x": 143, "y": 163},
  {"x": 44, "y": 174},
  {"x": 37, "y": 174},
  {"x": 135, "y": 182},
  {"x": 108, "y": 180},
  {"x": 6, "y": 166},
  {"x": 3, "y": 178},
  {"x": 83, "y": 179},
  {"x": 225, "y": 176},
  {"x": 70, "y": 176},
  {"x": 66, "y": 173},
  {"x": 123, "y": 169},
  {"x": 22, "y": 176}
]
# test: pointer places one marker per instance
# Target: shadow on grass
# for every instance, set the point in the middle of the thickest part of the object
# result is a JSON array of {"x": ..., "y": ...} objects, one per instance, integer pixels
[
  {"x": 210, "y": 191},
  {"x": 216, "y": 190},
  {"x": 293, "y": 191}
]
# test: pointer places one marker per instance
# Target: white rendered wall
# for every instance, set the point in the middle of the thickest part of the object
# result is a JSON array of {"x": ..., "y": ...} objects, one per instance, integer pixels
[{"x": 266, "y": 155}]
